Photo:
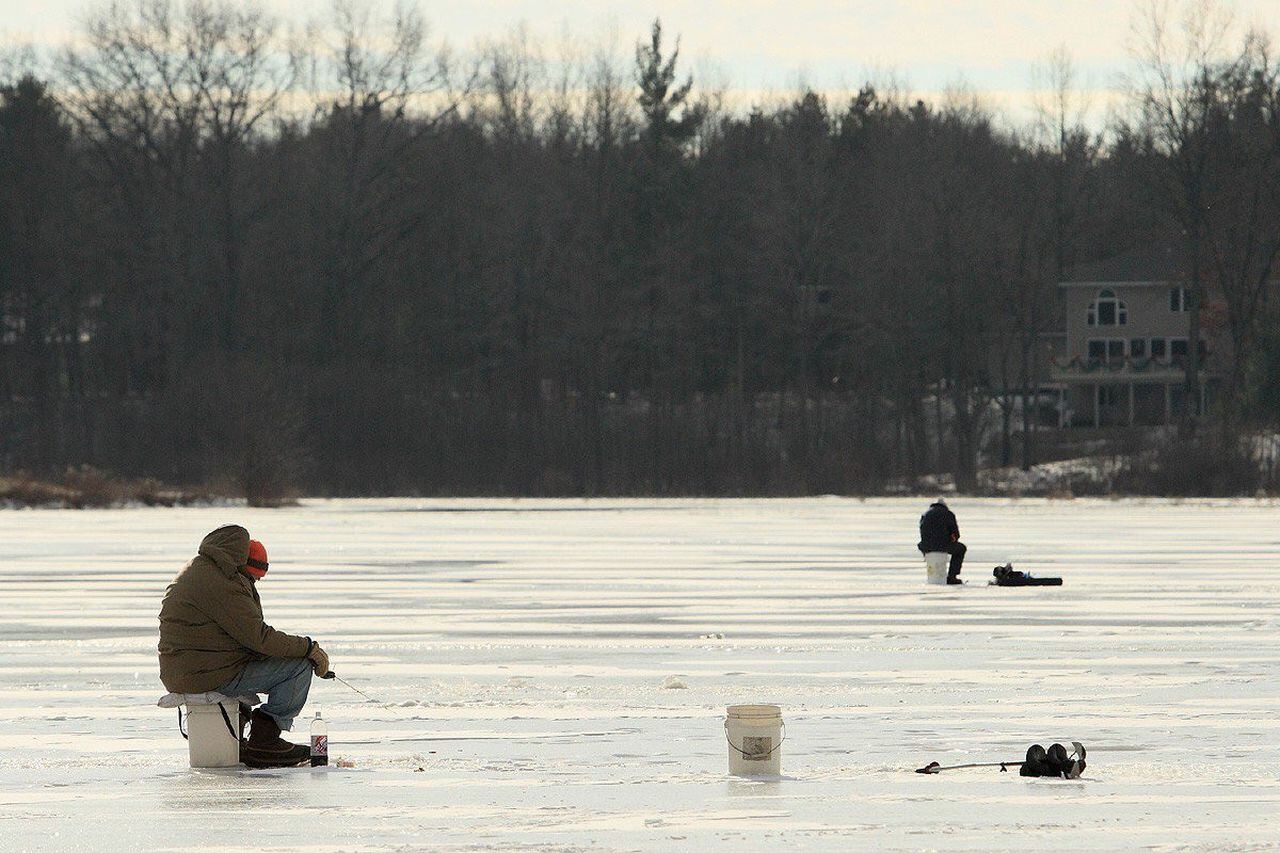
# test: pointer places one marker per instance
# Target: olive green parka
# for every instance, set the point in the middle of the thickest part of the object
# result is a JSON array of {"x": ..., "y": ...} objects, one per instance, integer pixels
[{"x": 211, "y": 619}]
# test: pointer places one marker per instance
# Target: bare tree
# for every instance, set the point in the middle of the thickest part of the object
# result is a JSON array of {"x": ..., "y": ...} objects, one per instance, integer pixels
[
  {"x": 377, "y": 90},
  {"x": 1176, "y": 92},
  {"x": 1053, "y": 218},
  {"x": 1242, "y": 221},
  {"x": 166, "y": 91}
]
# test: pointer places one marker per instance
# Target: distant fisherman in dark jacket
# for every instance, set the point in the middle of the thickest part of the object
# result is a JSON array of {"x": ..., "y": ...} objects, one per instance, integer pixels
[{"x": 939, "y": 532}]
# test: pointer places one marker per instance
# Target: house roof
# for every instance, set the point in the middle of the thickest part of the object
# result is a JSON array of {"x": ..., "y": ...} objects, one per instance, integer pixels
[{"x": 1156, "y": 263}]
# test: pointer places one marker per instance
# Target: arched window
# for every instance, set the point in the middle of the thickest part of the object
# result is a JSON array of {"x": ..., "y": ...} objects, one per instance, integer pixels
[{"x": 1108, "y": 310}]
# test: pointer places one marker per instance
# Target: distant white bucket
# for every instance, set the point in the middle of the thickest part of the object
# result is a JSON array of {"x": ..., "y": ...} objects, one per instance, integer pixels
[
  {"x": 213, "y": 727},
  {"x": 936, "y": 565},
  {"x": 755, "y": 734}
]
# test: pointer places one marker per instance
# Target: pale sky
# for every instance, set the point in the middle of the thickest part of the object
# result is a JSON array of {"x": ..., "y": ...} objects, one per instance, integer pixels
[{"x": 757, "y": 46}]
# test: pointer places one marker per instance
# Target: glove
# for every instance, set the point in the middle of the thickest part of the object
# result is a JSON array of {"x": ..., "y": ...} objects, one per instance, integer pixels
[{"x": 319, "y": 660}]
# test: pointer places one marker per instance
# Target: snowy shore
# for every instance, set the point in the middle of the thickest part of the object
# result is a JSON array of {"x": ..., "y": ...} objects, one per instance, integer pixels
[{"x": 522, "y": 647}]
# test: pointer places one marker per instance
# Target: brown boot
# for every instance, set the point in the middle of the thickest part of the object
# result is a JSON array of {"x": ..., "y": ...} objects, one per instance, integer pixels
[{"x": 265, "y": 747}]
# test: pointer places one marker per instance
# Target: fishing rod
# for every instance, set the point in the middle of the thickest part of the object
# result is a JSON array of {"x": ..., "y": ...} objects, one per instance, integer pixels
[
  {"x": 934, "y": 767},
  {"x": 330, "y": 675}
]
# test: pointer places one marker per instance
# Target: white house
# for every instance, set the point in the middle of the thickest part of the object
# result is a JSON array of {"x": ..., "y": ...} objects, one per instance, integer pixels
[{"x": 1122, "y": 356}]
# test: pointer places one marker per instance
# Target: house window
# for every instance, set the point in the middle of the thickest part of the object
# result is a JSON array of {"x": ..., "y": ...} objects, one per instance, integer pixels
[
  {"x": 1138, "y": 347},
  {"x": 1107, "y": 310},
  {"x": 1106, "y": 349},
  {"x": 1158, "y": 348},
  {"x": 1178, "y": 300}
]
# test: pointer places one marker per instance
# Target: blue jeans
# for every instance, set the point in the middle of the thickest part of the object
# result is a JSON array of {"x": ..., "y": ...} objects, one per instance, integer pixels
[{"x": 286, "y": 682}]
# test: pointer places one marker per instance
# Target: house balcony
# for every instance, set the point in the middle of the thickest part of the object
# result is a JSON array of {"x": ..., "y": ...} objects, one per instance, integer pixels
[{"x": 1126, "y": 391}]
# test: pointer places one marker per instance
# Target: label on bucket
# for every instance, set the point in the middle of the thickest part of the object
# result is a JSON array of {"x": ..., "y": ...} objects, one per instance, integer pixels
[{"x": 757, "y": 748}]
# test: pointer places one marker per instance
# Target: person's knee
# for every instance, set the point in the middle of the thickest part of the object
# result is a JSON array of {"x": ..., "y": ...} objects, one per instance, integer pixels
[
  {"x": 298, "y": 671},
  {"x": 958, "y": 549},
  {"x": 304, "y": 669}
]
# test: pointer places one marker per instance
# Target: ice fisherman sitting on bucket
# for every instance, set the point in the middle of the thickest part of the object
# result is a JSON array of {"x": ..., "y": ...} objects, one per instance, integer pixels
[
  {"x": 939, "y": 533},
  {"x": 213, "y": 638}
]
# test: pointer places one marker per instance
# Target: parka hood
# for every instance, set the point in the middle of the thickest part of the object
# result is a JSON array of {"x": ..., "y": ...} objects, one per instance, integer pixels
[{"x": 228, "y": 547}]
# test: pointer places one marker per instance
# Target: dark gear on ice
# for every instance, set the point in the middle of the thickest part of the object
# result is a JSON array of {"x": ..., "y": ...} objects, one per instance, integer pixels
[
  {"x": 1007, "y": 575},
  {"x": 1053, "y": 762},
  {"x": 213, "y": 638},
  {"x": 939, "y": 532}
]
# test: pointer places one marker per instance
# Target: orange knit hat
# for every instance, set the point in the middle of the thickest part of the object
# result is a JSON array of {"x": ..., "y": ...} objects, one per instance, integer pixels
[{"x": 257, "y": 565}]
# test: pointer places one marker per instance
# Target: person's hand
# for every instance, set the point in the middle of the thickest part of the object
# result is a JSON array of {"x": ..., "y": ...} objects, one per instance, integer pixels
[{"x": 319, "y": 660}]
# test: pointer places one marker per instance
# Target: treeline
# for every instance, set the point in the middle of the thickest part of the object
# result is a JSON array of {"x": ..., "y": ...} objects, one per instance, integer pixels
[{"x": 353, "y": 263}]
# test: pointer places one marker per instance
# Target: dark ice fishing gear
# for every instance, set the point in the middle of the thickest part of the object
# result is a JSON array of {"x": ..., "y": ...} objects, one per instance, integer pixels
[
  {"x": 1051, "y": 762},
  {"x": 1006, "y": 575},
  {"x": 1054, "y": 761}
]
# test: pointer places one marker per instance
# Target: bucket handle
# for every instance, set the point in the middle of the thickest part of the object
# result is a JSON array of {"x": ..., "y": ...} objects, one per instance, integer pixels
[
  {"x": 755, "y": 756},
  {"x": 231, "y": 730}
]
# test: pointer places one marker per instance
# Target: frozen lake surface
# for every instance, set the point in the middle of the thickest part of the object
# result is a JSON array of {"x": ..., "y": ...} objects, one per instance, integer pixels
[{"x": 522, "y": 648}]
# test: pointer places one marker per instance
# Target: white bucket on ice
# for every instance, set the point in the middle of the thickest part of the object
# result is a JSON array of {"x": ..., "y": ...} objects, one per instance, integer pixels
[
  {"x": 755, "y": 734},
  {"x": 936, "y": 564},
  {"x": 213, "y": 727}
]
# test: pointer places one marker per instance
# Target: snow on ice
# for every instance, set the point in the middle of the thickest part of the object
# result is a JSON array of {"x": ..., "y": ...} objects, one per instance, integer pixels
[{"x": 527, "y": 652}]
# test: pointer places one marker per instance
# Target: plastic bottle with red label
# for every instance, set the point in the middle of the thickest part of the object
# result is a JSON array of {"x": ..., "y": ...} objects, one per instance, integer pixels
[{"x": 319, "y": 742}]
